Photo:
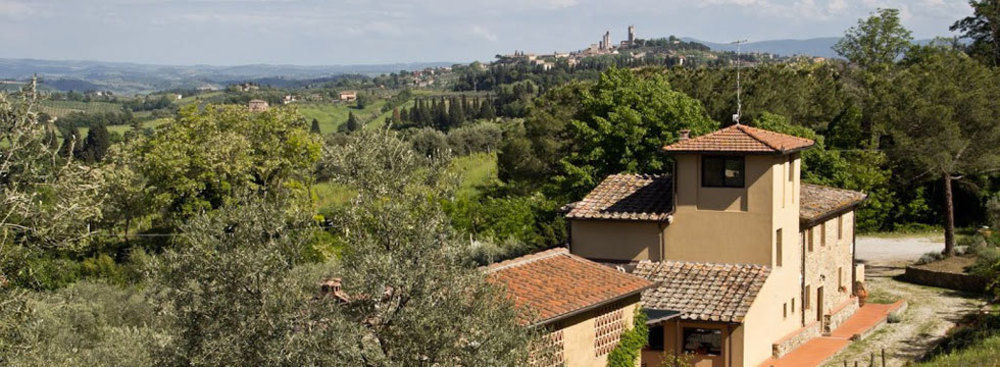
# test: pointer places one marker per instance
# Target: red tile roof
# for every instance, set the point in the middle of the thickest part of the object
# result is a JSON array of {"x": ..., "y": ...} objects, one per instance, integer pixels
[
  {"x": 820, "y": 202},
  {"x": 553, "y": 284},
  {"x": 741, "y": 139},
  {"x": 627, "y": 197},
  {"x": 702, "y": 291}
]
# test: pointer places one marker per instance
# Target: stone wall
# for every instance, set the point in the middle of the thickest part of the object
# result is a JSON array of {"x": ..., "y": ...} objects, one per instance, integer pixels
[
  {"x": 957, "y": 281},
  {"x": 840, "y": 315},
  {"x": 797, "y": 338}
]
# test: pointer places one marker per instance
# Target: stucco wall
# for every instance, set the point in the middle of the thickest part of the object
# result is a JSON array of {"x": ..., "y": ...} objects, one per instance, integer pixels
[
  {"x": 578, "y": 333},
  {"x": 616, "y": 240},
  {"x": 829, "y": 264},
  {"x": 726, "y": 225}
]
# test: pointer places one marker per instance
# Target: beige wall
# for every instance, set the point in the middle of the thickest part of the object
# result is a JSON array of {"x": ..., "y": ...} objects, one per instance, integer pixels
[
  {"x": 616, "y": 240},
  {"x": 726, "y": 225},
  {"x": 829, "y": 263},
  {"x": 579, "y": 332}
]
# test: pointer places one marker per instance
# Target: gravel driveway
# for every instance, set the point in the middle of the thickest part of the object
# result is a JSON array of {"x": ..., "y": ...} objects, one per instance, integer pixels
[
  {"x": 890, "y": 251},
  {"x": 931, "y": 312}
]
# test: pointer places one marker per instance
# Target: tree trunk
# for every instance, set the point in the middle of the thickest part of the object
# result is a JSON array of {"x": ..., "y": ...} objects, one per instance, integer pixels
[{"x": 949, "y": 217}]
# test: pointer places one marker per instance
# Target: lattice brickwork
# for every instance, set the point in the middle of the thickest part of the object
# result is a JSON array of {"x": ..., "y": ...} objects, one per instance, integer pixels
[
  {"x": 551, "y": 351},
  {"x": 608, "y": 328}
]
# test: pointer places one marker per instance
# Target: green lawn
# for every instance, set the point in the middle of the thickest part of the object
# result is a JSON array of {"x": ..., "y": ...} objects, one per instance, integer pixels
[{"x": 63, "y": 108}]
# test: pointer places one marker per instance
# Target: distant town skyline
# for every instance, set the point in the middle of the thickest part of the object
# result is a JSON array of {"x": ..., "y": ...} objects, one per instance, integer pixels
[{"x": 317, "y": 32}]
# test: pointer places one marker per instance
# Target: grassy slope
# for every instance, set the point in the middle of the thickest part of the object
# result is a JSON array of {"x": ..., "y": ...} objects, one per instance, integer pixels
[
  {"x": 475, "y": 170},
  {"x": 332, "y": 115},
  {"x": 986, "y": 352}
]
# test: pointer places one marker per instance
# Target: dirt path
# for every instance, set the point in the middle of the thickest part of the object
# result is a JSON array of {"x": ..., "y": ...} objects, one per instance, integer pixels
[{"x": 931, "y": 312}]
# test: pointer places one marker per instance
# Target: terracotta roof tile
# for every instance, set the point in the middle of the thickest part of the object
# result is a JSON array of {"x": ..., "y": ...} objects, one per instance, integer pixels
[
  {"x": 741, "y": 139},
  {"x": 818, "y": 202},
  {"x": 627, "y": 197},
  {"x": 702, "y": 291},
  {"x": 555, "y": 283}
]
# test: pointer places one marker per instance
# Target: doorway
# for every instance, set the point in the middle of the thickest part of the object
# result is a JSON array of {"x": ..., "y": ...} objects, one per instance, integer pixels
[{"x": 819, "y": 303}]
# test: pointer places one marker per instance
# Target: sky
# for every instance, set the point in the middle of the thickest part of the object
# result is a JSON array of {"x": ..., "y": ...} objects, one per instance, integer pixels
[{"x": 334, "y": 32}]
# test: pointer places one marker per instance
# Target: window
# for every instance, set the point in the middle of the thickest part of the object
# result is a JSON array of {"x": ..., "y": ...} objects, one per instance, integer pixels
[
  {"x": 840, "y": 227},
  {"x": 608, "y": 329},
  {"x": 722, "y": 171},
  {"x": 791, "y": 169},
  {"x": 784, "y": 310},
  {"x": 809, "y": 234},
  {"x": 703, "y": 341},
  {"x": 822, "y": 234},
  {"x": 793, "y": 305},
  {"x": 655, "y": 338},
  {"x": 840, "y": 278},
  {"x": 777, "y": 248},
  {"x": 805, "y": 301}
]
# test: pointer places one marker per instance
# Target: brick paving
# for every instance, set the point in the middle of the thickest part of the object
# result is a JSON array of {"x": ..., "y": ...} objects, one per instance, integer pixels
[{"x": 821, "y": 349}]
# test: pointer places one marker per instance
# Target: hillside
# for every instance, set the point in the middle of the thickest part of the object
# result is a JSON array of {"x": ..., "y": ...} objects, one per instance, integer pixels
[{"x": 129, "y": 78}]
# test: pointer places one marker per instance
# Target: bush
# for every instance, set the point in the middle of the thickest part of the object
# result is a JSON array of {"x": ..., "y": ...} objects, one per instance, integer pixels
[
  {"x": 929, "y": 258},
  {"x": 429, "y": 142},
  {"x": 87, "y": 324},
  {"x": 481, "y": 137}
]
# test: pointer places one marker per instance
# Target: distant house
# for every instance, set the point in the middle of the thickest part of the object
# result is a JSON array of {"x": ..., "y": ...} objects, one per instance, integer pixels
[
  {"x": 288, "y": 99},
  {"x": 257, "y": 105},
  {"x": 748, "y": 261},
  {"x": 349, "y": 96},
  {"x": 583, "y": 306}
]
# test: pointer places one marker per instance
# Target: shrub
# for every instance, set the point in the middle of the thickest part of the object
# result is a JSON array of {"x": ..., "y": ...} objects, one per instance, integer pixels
[
  {"x": 482, "y": 137},
  {"x": 429, "y": 142},
  {"x": 929, "y": 258}
]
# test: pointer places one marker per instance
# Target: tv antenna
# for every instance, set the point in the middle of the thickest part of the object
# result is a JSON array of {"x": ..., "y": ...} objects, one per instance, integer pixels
[{"x": 739, "y": 90}]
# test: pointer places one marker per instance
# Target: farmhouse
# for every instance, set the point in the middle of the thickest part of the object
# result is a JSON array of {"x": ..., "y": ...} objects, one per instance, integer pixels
[
  {"x": 257, "y": 105},
  {"x": 349, "y": 96},
  {"x": 583, "y": 306},
  {"x": 748, "y": 261}
]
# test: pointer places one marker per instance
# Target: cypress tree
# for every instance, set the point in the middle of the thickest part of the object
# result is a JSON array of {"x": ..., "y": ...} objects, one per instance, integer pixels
[
  {"x": 71, "y": 142},
  {"x": 352, "y": 122},
  {"x": 315, "y": 127},
  {"x": 96, "y": 145},
  {"x": 486, "y": 110}
]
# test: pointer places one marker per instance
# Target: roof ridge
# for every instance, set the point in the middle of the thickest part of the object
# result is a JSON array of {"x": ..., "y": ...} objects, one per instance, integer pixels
[
  {"x": 753, "y": 134},
  {"x": 527, "y": 259},
  {"x": 708, "y": 263}
]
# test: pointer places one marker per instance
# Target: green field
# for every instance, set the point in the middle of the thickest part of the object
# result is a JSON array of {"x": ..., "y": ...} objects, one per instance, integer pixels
[
  {"x": 121, "y": 129},
  {"x": 332, "y": 115},
  {"x": 63, "y": 108}
]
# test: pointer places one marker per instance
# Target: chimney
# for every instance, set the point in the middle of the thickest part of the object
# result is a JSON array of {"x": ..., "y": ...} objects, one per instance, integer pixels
[{"x": 685, "y": 134}]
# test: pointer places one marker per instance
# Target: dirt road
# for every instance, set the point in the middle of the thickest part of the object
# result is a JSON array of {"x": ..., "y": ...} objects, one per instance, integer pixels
[{"x": 932, "y": 311}]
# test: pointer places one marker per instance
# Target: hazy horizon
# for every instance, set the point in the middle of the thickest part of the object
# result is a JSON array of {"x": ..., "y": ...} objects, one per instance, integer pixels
[{"x": 355, "y": 32}]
